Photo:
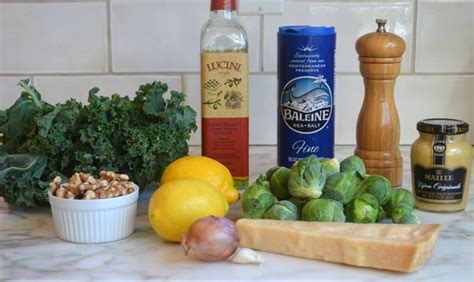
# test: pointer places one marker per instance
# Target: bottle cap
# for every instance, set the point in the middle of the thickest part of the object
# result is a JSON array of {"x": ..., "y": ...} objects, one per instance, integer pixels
[
  {"x": 442, "y": 126},
  {"x": 307, "y": 30},
  {"x": 223, "y": 5}
]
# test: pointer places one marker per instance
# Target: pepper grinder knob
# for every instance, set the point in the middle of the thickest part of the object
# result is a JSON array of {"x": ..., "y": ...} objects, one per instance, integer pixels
[
  {"x": 381, "y": 25},
  {"x": 378, "y": 125}
]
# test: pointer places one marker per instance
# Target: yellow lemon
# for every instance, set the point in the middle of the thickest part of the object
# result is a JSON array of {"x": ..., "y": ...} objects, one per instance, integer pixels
[
  {"x": 178, "y": 203},
  {"x": 204, "y": 168}
]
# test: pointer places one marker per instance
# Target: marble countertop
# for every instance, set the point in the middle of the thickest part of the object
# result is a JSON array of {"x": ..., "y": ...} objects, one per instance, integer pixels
[{"x": 30, "y": 249}]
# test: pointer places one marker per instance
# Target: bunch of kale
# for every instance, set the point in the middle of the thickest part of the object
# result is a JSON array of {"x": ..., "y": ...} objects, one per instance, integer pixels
[{"x": 139, "y": 137}]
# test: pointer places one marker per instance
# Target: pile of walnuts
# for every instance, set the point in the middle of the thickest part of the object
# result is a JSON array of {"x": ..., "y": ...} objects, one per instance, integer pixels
[{"x": 83, "y": 186}]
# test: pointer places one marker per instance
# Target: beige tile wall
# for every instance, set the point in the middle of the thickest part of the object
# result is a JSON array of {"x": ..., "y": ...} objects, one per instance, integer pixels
[{"x": 67, "y": 47}]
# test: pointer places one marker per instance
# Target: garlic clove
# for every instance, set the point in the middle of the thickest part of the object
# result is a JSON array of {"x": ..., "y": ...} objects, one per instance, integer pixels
[{"x": 246, "y": 256}]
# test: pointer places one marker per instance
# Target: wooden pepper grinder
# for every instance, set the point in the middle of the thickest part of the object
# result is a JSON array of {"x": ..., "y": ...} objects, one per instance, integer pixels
[{"x": 378, "y": 126}]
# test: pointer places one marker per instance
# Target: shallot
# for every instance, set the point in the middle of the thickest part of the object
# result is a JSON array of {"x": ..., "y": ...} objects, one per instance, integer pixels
[{"x": 211, "y": 238}]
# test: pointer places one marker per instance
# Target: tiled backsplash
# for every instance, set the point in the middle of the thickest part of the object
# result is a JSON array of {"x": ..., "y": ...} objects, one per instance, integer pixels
[{"x": 67, "y": 47}]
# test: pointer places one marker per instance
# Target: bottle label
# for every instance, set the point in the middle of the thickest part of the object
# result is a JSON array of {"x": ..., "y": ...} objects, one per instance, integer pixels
[
  {"x": 306, "y": 104},
  {"x": 439, "y": 185},
  {"x": 439, "y": 149},
  {"x": 224, "y": 109}
]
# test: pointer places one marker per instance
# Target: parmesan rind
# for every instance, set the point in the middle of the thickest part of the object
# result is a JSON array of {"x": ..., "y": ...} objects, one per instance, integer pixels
[{"x": 399, "y": 247}]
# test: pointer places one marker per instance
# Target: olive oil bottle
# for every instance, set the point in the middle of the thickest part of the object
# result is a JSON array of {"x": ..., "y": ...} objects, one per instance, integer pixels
[{"x": 224, "y": 90}]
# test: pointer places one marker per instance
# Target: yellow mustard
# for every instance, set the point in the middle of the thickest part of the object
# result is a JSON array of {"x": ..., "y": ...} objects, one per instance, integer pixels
[{"x": 441, "y": 164}]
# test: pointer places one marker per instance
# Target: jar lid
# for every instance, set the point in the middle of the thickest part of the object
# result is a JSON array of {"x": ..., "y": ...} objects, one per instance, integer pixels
[{"x": 442, "y": 126}]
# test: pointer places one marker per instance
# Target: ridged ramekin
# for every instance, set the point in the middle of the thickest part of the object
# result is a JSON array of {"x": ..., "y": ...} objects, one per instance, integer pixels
[{"x": 94, "y": 221}]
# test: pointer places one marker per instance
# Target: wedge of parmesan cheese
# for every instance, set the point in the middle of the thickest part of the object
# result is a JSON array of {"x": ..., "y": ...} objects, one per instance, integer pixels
[{"x": 399, "y": 247}]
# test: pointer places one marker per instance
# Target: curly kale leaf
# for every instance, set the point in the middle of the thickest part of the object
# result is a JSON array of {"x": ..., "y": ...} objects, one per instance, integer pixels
[
  {"x": 139, "y": 137},
  {"x": 18, "y": 122},
  {"x": 20, "y": 179},
  {"x": 55, "y": 137}
]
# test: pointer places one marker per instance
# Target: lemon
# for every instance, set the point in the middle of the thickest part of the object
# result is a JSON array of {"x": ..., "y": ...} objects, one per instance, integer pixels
[
  {"x": 178, "y": 203},
  {"x": 204, "y": 168}
]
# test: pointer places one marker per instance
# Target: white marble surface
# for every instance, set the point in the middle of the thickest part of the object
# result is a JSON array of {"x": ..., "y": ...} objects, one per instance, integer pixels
[{"x": 29, "y": 249}]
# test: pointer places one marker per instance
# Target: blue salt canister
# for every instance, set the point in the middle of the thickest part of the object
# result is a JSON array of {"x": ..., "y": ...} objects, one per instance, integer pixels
[{"x": 306, "y": 107}]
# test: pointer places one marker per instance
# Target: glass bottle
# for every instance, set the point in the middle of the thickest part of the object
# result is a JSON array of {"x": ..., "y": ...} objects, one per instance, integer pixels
[{"x": 224, "y": 90}]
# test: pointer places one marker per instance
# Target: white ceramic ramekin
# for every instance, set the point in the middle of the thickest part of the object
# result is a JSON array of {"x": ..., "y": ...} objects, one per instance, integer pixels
[{"x": 94, "y": 221}]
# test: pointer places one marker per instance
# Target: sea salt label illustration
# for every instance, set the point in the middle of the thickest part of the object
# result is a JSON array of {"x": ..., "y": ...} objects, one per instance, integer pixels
[{"x": 306, "y": 104}]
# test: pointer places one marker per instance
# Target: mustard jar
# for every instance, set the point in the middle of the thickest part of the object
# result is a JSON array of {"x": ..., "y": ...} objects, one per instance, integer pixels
[{"x": 441, "y": 164}]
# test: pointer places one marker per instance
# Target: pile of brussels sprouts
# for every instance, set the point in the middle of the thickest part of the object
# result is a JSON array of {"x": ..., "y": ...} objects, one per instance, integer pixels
[{"x": 324, "y": 190}]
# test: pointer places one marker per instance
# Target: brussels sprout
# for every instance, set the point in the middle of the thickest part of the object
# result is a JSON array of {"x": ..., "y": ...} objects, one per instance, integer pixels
[
  {"x": 279, "y": 183},
  {"x": 400, "y": 197},
  {"x": 264, "y": 179},
  {"x": 363, "y": 208},
  {"x": 256, "y": 200},
  {"x": 378, "y": 186},
  {"x": 270, "y": 172},
  {"x": 283, "y": 210},
  {"x": 299, "y": 203},
  {"x": 381, "y": 215},
  {"x": 404, "y": 215},
  {"x": 340, "y": 187},
  {"x": 330, "y": 166},
  {"x": 307, "y": 178},
  {"x": 323, "y": 210},
  {"x": 353, "y": 165}
]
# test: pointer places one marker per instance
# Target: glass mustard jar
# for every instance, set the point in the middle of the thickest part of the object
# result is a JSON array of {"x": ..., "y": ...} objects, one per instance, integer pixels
[{"x": 441, "y": 164}]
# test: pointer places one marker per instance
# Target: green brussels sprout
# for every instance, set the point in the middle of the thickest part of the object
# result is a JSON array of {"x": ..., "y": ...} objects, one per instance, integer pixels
[
  {"x": 307, "y": 178},
  {"x": 270, "y": 172},
  {"x": 299, "y": 203},
  {"x": 283, "y": 210},
  {"x": 330, "y": 166},
  {"x": 256, "y": 200},
  {"x": 378, "y": 186},
  {"x": 363, "y": 208},
  {"x": 264, "y": 179},
  {"x": 400, "y": 197},
  {"x": 340, "y": 187},
  {"x": 279, "y": 183},
  {"x": 353, "y": 165},
  {"x": 381, "y": 215},
  {"x": 404, "y": 215},
  {"x": 323, "y": 210}
]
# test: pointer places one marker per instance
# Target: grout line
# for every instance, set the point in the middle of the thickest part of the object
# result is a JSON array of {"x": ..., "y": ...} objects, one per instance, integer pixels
[
  {"x": 414, "y": 35},
  {"x": 261, "y": 45},
  {"x": 100, "y": 74},
  {"x": 185, "y": 73},
  {"x": 50, "y": 1},
  {"x": 109, "y": 36},
  {"x": 344, "y": 1}
]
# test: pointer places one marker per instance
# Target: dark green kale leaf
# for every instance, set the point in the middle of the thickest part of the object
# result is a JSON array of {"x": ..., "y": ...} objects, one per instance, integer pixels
[
  {"x": 139, "y": 137},
  {"x": 18, "y": 122},
  {"x": 55, "y": 137},
  {"x": 20, "y": 179},
  {"x": 3, "y": 117}
]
